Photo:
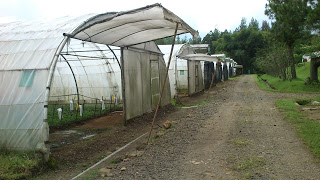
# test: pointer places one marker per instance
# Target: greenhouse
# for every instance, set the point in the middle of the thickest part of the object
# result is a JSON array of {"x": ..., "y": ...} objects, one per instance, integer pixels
[
  {"x": 195, "y": 71},
  {"x": 178, "y": 70},
  {"x": 92, "y": 59}
]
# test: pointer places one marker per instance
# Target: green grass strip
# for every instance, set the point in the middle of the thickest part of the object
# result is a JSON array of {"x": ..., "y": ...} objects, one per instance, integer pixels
[{"x": 307, "y": 129}]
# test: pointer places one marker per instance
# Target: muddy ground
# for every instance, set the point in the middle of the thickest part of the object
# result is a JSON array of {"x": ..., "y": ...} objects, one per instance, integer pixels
[{"x": 237, "y": 134}]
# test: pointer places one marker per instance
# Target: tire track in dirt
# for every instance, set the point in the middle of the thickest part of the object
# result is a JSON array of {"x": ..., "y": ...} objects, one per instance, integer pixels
[
  {"x": 270, "y": 147},
  {"x": 238, "y": 134}
]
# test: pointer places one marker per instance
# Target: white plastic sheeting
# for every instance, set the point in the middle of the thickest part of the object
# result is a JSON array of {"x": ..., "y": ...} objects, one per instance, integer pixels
[
  {"x": 199, "y": 57},
  {"x": 144, "y": 71},
  {"x": 26, "y": 52},
  {"x": 136, "y": 26}
]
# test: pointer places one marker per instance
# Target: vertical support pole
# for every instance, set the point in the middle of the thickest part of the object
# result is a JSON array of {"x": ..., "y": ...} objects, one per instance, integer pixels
[
  {"x": 123, "y": 80},
  {"x": 101, "y": 105},
  {"x": 95, "y": 108},
  {"x": 188, "y": 78},
  {"x": 176, "y": 77},
  {"x": 110, "y": 103},
  {"x": 164, "y": 82},
  {"x": 212, "y": 81}
]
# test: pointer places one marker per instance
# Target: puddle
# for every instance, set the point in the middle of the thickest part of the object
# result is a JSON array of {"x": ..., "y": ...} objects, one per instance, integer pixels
[{"x": 61, "y": 138}]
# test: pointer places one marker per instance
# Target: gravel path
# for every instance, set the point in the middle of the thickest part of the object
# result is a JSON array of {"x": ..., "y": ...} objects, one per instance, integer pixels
[{"x": 238, "y": 134}]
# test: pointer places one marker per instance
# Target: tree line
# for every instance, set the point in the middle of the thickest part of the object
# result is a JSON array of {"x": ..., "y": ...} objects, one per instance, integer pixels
[{"x": 273, "y": 48}]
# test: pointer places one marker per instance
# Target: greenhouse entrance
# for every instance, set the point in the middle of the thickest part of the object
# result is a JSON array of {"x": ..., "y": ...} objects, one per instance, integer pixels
[{"x": 86, "y": 84}]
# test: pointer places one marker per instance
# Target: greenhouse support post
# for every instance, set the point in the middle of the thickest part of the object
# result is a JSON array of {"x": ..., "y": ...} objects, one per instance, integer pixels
[
  {"x": 188, "y": 78},
  {"x": 47, "y": 93},
  {"x": 123, "y": 87},
  {"x": 164, "y": 82}
]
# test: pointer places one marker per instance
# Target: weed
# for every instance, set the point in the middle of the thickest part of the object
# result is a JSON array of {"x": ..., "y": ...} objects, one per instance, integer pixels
[
  {"x": 303, "y": 101},
  {"x": 116, "y": 160},
  {"x": 250, "y": 162},
  {"x": 247, "y": 175},
  {"x": 18, "y": 165},
  {"x": 240, "y": 142}
]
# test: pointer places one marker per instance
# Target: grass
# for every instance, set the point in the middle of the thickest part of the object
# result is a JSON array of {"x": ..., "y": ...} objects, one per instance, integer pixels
[
  {"x": 295, "y": 86},
  {"x": 234, "y": 78},
  {"x": 90, "y": 111},
  {"x": 307, "y": 129},
  {"x": 115, "y": 161},
  {"x": 240, "y": 142},
  {"x": 18, "y": 165},
  {"x": 248, "y": 163}
]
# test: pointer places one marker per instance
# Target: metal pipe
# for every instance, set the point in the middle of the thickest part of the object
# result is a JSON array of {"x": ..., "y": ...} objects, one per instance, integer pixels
[
  {"x": 45, "y": 129},
  {"x": 74, "y": 77},
  {"x": 114, "y": 55},
  {"x": 50, "y": 77},
  {"x": 164, "y": 82}
]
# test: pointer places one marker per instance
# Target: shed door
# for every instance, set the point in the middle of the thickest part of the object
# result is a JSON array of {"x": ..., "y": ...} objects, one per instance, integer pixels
[{"x": 155, "y": 82}]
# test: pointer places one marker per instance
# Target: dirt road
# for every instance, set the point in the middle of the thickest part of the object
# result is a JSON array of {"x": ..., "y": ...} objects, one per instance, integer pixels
[{"x": 238, "y": 134}]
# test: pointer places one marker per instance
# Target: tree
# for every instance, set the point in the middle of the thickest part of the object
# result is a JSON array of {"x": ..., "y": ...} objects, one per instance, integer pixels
[
  {"x": 243, "y": 24},
  {"x": 210, "y": 37},
  {"x": 290, "y": 23},
  {"x": 313, "y": 18},
  {"x": 254, "y": 24},
  {"x": 265, "y": 26},
  {"x": 273, "y": 58}
]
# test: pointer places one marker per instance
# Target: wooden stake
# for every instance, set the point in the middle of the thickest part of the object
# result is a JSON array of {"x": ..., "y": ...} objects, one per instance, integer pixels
[{"x": 164, "y": 82}]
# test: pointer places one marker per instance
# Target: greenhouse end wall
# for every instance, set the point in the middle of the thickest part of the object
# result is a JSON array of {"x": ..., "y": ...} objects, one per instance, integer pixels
[{"x": 143, "y": 80}]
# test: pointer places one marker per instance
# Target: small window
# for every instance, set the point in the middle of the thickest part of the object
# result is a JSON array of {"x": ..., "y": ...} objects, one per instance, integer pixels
[
  {"x": 181, "y": 72},
  {"x": 27, "y": 78}
]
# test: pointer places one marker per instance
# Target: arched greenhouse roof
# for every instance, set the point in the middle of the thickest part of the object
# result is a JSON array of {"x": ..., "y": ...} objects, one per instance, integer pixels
[{"x": 32, "y": 44}]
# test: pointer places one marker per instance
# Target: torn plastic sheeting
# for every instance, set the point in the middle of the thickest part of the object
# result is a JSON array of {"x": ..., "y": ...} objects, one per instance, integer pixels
[{"x": 131, "y": 27}]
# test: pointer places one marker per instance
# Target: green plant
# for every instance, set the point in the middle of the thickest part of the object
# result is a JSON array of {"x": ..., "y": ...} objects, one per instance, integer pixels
[
  {"x": 240, "y": 142},
  {"x": 116, "y": 160},
  {"x": 248, "y": 163},
  {"x": 303, "y": 101},
  {"x": 90, "y": 111},
  {"x": 18, "y": 165}
]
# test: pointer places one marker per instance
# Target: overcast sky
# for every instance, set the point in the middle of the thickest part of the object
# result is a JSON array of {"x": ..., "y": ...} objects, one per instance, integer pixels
[{"x": 202, "y": 15}]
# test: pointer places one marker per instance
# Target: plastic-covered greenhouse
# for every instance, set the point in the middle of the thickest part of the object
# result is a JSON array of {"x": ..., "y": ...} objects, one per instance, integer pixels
[
  {"x": 178, "y": 70},
  {"x": 186, "y": 72},
  {"x": 80, "y": 60}
]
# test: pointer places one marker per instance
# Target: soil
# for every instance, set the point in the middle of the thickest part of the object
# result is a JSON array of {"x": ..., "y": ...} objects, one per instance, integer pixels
[{"x": 237, "y": 134}]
